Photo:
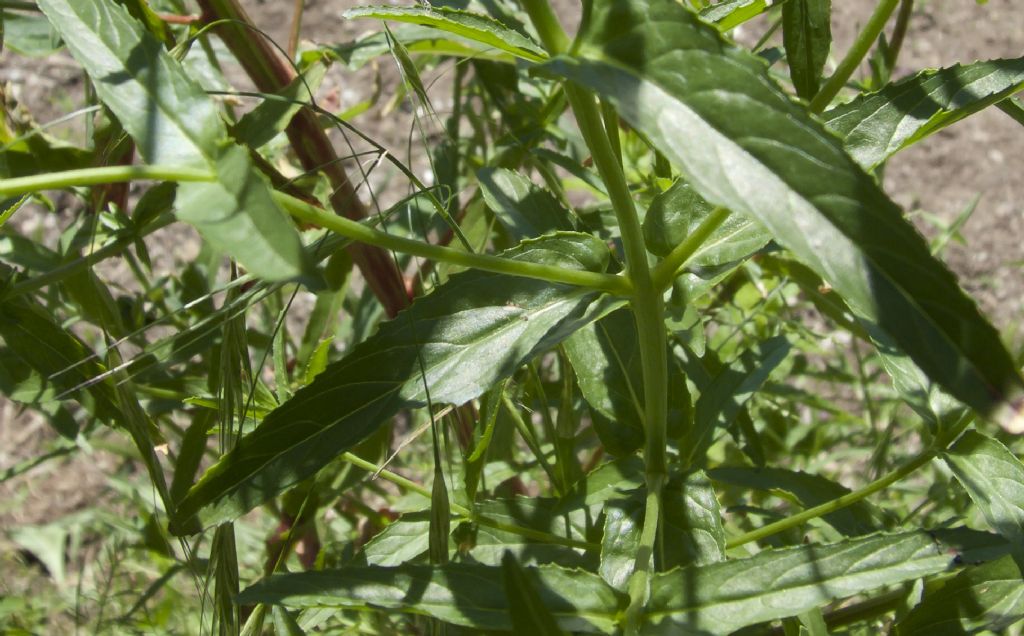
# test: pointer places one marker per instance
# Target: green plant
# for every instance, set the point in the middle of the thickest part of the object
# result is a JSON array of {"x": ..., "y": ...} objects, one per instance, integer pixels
[{"x": 629, "y": 357}]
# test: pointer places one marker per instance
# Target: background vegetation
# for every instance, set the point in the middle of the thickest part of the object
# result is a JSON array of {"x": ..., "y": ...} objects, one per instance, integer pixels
[{"x": 676, "y": 362}]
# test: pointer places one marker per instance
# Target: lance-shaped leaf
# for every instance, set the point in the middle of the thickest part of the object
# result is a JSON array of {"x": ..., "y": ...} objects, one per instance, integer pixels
[
  {"x": 418, "y": 39},
  {"x": 731, "y": 13},
  {"x": 525, "y": 209},
  {"x": 50, "y": 363},
  {"x": 743, "y": 144},
  {"x": 807, "y": 36},
  {"x": 878, "y": 125},
  {"x": 171, "y": 119},
  {"x": 175, "y": 123},
  {"x": 994, "y": 478},
  {"x": 721, "y": 400},
  {"x": 472, "y": 26},
  {"x": 470, "y": 595},
  {"x": 605, "y": 357},
  {"x": 723, "y": 597},
  {"x": 526, "y": 608},
  {"x": 459, "y": 340},
  {"x": 987, "y": 598}
]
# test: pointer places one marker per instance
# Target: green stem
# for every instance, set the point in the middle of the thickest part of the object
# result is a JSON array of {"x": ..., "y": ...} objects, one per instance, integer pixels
[
  {"x": 552, "y": 36},
  {"x": 639, "y": 582},
  {"x": 940, "y": 444},
  {"x": 98, "y": 176},
  {"x": 665, "y": 271},
  {"x": 464, "y": 512},
  {"x": 865, "y": 39},
  {"x": 364, "y": 234},
  {"x": 646, "y": 302}
]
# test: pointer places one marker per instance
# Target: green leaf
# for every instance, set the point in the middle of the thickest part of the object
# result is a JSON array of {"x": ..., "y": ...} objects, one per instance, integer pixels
[
  {"x": 607, "y": 481},
  {"x": 29, "y": 34},
  {"x": 37, "y": 153},
  {"x": 417, "y": 39},
  {"x": 810, "y": 490},
  {"x": 606, "y": 359},
  {"x": 729, "y": 14},
  {"x": 720, "y": 402},
  {"x": 271, "y": 117},
  {"x": 677, "y": 212},
  {"x": 525, "y": 209},
  {"x": 403, "y": 540},
  {"x": 171, "y": 119},
  {"x": 473, "y": 26},
  {"x": 525, "y": 605},
  {"x": 463, "y": 594},
  {"x": 174, "y": 123},
  {"x": 723, "y": 597},
  {"x": 285, "y": 624},
  {"x": 807, "y": 37},
  {"x": 237, "y": 214},
  {"x": 63, "y": 366},
  {"x": 994, "y": 478},
  {"x": 1013, "y": 107},
  {"x": 986, "y": 598},
  {"x": 878, "y": 125},
  {"x": 469, "y": 333},
  {"x": 488, "y": 544},
  {"x": 694, "y": 534},
  {"x": 743, "y": 144},
  {"x": 623, "y": 522}
]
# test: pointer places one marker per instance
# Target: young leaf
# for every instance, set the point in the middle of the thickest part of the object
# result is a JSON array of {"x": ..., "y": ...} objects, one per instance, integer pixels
[
  {"x": 694, "y": 534},
  {"x": 400, "y": 541},
  {"x": 810, "y": 490},
  {"x": 743, "y": 144},
  {"x": 677, "y": 212},
  {"x": 473, "y": 26},
  {"x": 472, "y": 331},
  {"x": 878, "y": 125},
  {"x": 463, "y": 594},
  {"x": 994, "y": 478},
  {"x": 723, "y": 597},
  {"x": 623, "y": 521},
  {"x": 986, "y": 598},
  {"x": 807, "y": 36}
]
